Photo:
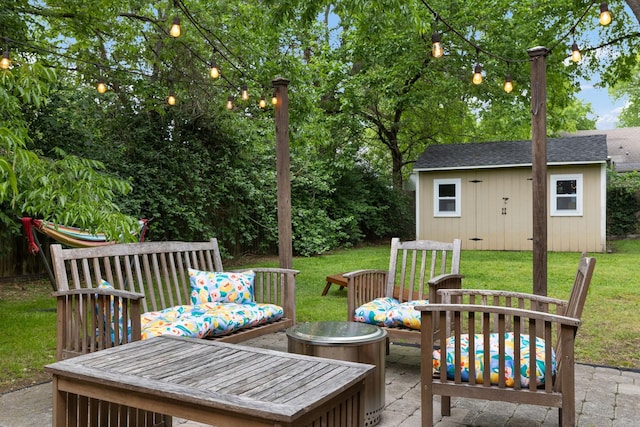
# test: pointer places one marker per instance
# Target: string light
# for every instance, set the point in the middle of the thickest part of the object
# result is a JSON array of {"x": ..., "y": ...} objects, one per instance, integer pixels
[
  {"x": 605, "y": 15},
  {"x": 245, "y": 93},
  {"x": 274, "y": 98},
  {"x": 171, "y": 99},
  {"x": 5, "y": 62},
  {"x": 436, "y": 50},
  {"x": 508, "y": 83},
  {"x": 230, "y": 103},
  {"x": 576, "y": 56},
  {"x": 263, "y": 102},
  {"x": 175, "y": 30},
  {"x": 101, "y": 87},
  {"x": 214, "y": 71}
]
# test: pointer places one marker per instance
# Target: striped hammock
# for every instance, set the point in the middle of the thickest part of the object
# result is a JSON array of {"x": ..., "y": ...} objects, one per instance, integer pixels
[{"x": 72, "y": 236}]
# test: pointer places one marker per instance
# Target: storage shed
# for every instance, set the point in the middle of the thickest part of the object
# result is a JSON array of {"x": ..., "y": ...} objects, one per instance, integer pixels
[{"x": 482, "y": 194}]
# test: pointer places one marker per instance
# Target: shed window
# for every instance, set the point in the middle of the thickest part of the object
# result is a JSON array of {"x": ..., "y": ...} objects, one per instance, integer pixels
[
  {"x": 446, "y": 197},
  {"x": 566, "y": 195}
]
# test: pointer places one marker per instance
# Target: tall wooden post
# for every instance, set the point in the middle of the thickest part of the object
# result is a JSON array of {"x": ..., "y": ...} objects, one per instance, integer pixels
[
  {"x": 539, "y": 166},
  {"x": 285, "y": 246}
]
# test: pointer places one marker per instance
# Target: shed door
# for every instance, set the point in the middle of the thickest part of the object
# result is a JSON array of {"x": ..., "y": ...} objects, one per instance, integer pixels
[{"x": 503, "y": 211}]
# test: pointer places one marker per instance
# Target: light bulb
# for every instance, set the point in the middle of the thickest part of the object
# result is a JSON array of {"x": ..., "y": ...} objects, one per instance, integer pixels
[
  {"x": 477, "y": 74},
  {"x": 214, "y": 71},
  {"x": 605, "y": 15},
  {"x": 263, "y": 102},
  {"x": 5, "y": 62},
  {"x": 101, "y": 87},
  {"x": 508, "y": 84},
  {"x": 274, "y": 99},
  {"x": 175, "y": 30},
  {"x": 437, "y": 50},
  {"x": 230, "y": 103},
  {"x": 171, "y": 100},
  {"x": 576, "y": 56},
  {"x": 245, "y": 93}
]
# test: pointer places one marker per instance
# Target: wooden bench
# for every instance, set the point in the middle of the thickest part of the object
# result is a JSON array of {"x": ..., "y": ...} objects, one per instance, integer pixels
[
  {"x": 478, "y": 313},
  {"x": 147, "y": 277}
]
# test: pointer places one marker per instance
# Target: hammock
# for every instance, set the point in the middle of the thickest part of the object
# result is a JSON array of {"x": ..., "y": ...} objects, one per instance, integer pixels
[{"x": 70, "y": 236}]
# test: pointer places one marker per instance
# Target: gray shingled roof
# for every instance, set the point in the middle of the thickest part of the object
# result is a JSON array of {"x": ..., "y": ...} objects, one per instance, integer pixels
[{"x": 569, "y": 150}]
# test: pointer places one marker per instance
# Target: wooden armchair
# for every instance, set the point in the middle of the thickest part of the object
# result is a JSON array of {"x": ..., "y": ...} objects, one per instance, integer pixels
[
  {"x": 478, "y": 314},
  {"x": 417, "y": 270}
]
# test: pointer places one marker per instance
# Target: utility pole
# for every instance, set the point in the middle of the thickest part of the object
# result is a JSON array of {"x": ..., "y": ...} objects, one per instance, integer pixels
[
  {"x": 285, "y": 246},
  {"x": 539, "y": 166}
]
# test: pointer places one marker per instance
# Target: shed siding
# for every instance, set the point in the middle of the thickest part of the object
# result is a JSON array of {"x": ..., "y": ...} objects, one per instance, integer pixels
[{"x": 496, "y": 210}]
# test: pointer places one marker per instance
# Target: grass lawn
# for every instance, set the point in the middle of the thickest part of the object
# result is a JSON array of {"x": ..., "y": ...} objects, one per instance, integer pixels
[{"x": 610, "y": 334}]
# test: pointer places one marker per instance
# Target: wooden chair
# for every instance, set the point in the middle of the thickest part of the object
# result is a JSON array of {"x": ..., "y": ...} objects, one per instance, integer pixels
[
  {"x": 483, "y": 312},
  {"x": 417, "y": 270}
]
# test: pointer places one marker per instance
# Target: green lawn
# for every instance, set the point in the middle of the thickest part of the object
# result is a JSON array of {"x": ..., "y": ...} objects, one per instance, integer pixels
[{"x": 609, "y": 336}]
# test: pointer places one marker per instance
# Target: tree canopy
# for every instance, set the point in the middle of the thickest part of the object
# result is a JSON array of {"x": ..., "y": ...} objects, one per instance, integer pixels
[{"x": 366, "y": 98}]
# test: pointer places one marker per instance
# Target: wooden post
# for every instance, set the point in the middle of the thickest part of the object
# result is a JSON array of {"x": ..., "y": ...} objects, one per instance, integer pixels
[
  {"x": 285, "y": 246},
  {"x": 539, "y": 166}
]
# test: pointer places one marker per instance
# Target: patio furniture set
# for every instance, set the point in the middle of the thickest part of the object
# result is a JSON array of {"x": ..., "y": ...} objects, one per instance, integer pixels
[{"x": 126, "y": 300}]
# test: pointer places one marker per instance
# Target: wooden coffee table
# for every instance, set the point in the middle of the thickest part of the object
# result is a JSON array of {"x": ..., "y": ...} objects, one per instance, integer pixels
[{"x": 211, "y": 382}]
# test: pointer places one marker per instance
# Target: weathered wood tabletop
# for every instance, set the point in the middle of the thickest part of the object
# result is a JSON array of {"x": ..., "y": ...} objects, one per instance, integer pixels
[{"x": 213, "y": 382}]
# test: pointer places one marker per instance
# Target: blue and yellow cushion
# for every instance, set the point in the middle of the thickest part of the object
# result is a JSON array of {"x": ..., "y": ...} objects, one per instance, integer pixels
[
  {"x": 390, "y": 312},
  {"x": 106, "y": 285},
  {"x": 209, "y": 286},
  {"x": 375, "y": 312},
  {"x": 404, "y": 314},
  {"x": 525, "y": 365}
]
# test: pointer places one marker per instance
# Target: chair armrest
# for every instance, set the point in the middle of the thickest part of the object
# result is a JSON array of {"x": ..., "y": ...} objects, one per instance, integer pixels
[
  {"x": 274, "y": 285},
  {"x": 503, "y": 298},
  {"x": 443, "y": 281},
  {"x": 92, "y": 319},
  {"x": 364, "y": 286}
]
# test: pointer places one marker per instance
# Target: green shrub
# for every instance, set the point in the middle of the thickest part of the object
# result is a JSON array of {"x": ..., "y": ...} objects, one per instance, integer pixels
[{"x": 623, "y": 203}]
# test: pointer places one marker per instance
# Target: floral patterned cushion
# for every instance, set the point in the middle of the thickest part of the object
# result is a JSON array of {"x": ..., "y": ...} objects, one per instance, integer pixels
[
  {"x": 209, "y": 286},
  {"x": 208, "y": 319},
  {"x": 404, "y": 314},
  {"x": 375, "y": 312},
  {"x": 509, "y": 365},
  {"x": 390, "y": 312}
]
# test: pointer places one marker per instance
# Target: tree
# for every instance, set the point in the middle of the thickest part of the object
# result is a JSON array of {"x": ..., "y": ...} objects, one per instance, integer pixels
[{"x": 61, "y": 188}]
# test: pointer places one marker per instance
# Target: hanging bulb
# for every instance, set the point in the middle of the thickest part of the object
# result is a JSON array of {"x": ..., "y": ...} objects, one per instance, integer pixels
[
  {"x": 175, "y": 30},
  {"x": 576, "y": 56},
  {"x": 245, "y": 93},
  {"x": 171, "y": 100},
  {"x": 5, "y": 62},
  {"x": 605, "y": 15},
  {"x": 263, "y": 102},
  {"x": 508, "y": 83},
  {"x": 214, "y": 71},
  {"x": 436, "y": 50},
  {"x": 477, "y": 74},
  {"x": 101, "y": 87},
  {"x": 230, "y": 103},
  {"x": 274, "y": 98}
]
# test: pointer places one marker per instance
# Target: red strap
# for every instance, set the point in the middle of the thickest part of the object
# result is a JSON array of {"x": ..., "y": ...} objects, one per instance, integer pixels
[{"x": 26, "y": 223}]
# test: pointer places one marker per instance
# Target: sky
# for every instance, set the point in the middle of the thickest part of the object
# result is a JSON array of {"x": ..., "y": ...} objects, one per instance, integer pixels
[{"x": 605, "y": 107}]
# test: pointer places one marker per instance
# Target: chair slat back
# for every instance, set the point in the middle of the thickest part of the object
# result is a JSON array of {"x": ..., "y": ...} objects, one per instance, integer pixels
[
  {"x": 159, "y": 270},
  {"x": 413, "y": 263}
]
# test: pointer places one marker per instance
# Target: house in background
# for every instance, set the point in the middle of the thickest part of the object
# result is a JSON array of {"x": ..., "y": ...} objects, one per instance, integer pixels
[
  {"x": 482, "y": 194},
  {"x": 623, "y": 146}
]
